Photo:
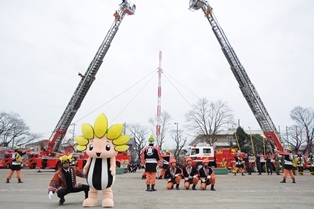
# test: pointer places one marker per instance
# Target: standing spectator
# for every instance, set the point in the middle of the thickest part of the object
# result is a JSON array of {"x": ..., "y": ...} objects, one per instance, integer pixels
[
  {"x": 294, "y": 164},
  {"x": 269, "y": 167},
  {"x": 151, "y": 155},
  {"x": 247, "y": 163},
  {"x": 300, "y": 163},
  {"x": 288, "y": 165},
  {"x": 207, "y": 176},
  {"x": 258, "y": 164},
  {"x": 64, "y": 181},
  {"x": 277, "y": 168},
  {"x": 282, "y": 161},
  {"x": 190, "y": 175},
  {"x": 16, "y": 164},
  {"x": 310, "y": 160}
]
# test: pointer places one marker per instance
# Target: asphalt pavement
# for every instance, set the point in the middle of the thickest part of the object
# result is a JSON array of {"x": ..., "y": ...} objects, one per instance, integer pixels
[{"x": 232, "y": 192}]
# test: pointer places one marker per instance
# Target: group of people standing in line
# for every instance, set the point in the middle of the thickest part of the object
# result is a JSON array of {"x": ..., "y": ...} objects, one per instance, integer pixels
[
  {"x": 151, "y": 157},
  {"x": 289, "y": 163}
]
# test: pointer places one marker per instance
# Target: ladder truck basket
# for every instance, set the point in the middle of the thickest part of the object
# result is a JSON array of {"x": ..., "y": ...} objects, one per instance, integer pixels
[
  {"x": 129, "y": 8},
  {"x": 197, "y": 4}
]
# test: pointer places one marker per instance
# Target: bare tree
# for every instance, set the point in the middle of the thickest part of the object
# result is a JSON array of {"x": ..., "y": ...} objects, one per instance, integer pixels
[
  {"x": 165, "y": 119},
  {"x": 304, "y": 118},
  {"x": 139, "y": 134},
  {"x": 297, "y": 137},
  {"x": 14, "y": 131},
  {"x": 208, "y": 118},
  {"x": 180, "y": 142}
]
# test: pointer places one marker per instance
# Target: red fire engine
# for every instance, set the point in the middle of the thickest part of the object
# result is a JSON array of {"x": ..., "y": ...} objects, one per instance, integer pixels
[
  {"x": 5, "y": 159},
  {"x": 50, "y": 151}
]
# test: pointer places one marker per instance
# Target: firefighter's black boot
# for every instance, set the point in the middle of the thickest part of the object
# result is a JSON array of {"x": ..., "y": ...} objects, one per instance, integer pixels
[
  {"x": 177, "y": 187},
  {"x": 8, "y": 181},
  {"x": 153, "y": 188},
  {"x": 293, "y": 181},
  {"x": 212, "y": 188},
  {"x": 283, "y": 181},
  {"x": 193, "y": 187},
  {"x": 148, "y": 188},
  {"x": 143, "y": 177},
  {"x": 19, "y": 181},
  {"x": 61, "y": 201}
]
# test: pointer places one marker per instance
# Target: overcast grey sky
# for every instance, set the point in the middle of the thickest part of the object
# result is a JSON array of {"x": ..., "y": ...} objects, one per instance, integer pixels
[{"x": 44, "y": 44}]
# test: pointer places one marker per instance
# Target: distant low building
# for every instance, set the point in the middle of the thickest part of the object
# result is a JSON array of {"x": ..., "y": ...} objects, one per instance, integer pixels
[{"x": 225, "y": 138}]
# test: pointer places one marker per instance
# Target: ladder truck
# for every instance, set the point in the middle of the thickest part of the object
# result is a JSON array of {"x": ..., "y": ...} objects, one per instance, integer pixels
[
  {"x": 54, "y": 142},
  {"x": 247, "y": 88}
]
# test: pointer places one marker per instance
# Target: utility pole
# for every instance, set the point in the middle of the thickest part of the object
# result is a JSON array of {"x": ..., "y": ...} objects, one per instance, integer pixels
[{"x": 13, "y": 126}]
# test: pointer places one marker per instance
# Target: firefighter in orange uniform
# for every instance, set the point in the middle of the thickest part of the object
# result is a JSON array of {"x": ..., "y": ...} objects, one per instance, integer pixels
[
  {"x": 165, "y": 164},
  {"x": 238, "y": 163},
  {"x": 173, "y": 175},
  {"x": 207, "y": 176},
  {"x": 190, "y": 175},
  {"x": 151, "y": 156},
  {"x": 288, "y": 156},
  {"x": 16, "y": 164}
]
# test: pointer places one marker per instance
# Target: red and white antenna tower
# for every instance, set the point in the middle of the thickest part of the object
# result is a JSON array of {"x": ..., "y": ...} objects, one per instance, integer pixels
[{"x": 158, "y": 125}]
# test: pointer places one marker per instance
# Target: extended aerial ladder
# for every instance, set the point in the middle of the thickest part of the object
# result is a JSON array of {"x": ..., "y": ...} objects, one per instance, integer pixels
[
  {"x": 247, "y": 88},
  {"x": 126, "y": 7}
]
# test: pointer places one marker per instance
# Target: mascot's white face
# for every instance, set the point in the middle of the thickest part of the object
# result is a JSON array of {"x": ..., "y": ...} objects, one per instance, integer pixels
[{"x": 100, "y": 148}]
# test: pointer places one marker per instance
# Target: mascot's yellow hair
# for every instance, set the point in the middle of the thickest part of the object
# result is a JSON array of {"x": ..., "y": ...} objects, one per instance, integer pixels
[{"x": 99, "y": 130}]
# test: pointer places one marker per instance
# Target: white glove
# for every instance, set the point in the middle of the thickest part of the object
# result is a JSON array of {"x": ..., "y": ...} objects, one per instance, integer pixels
[
  {"x": 176, "y": 175},
  {"x": 169, "y": 179},
  {"x": 50, "y": 194},
  {"x": 208, "y": 177},
  {"x": 194, "y": 176},
  {"x": 186, "y": 178}
]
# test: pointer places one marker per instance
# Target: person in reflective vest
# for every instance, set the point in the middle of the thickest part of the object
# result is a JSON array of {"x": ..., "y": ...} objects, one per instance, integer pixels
[
  {"x": 238, "y": 163},
  {"x": 16, "y": 164},
  {"x": 287, "y": 169},
  {"x": 300, "y": 163}
]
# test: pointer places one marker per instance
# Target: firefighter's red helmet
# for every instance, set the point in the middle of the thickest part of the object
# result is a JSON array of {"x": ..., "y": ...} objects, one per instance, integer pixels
[
  {"x": 172, "y": 161},
  {"x": 205, "y": 160}
]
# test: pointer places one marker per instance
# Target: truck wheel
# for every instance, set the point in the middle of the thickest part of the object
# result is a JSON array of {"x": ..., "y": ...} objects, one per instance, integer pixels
[
  {"x": 32, "y": 166},
  {"x": 253, "y": 168},
  {"x": 8, "y": 166}
]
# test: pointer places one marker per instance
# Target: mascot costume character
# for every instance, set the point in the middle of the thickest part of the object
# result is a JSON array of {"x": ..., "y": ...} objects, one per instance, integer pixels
[{"x": 101, "y": 145}]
